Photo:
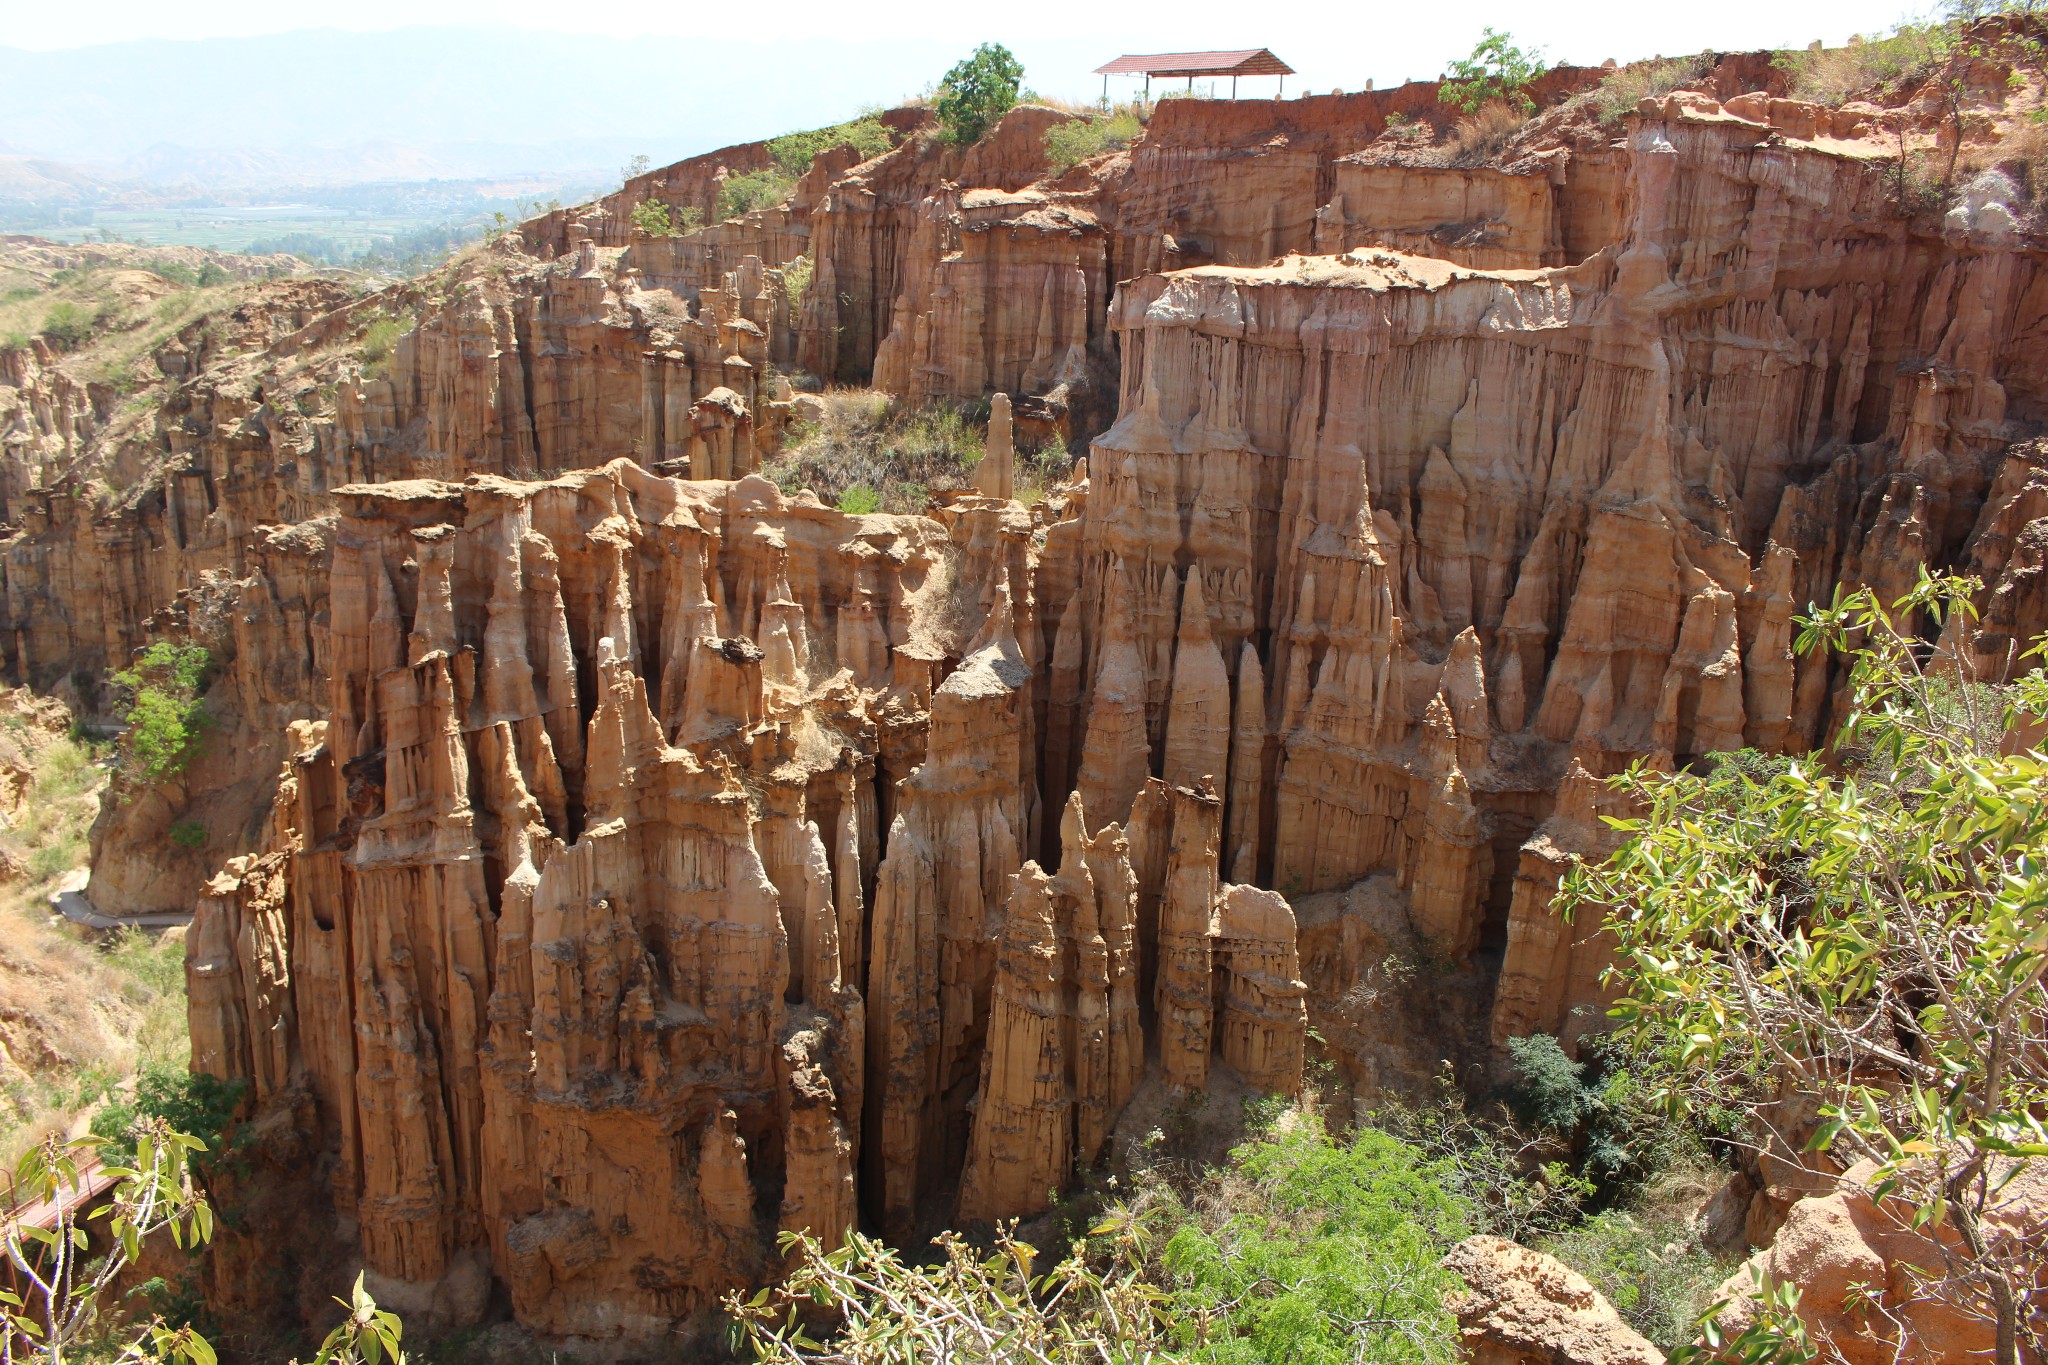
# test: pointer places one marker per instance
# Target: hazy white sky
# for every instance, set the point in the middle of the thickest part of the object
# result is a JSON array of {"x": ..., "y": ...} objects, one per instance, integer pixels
[{"x": 1331, "y": 43}]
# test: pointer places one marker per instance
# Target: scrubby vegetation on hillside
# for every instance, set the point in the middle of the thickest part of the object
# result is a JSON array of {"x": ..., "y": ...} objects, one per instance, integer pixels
[
  {"x": 111, "y": 318},
  {"x": 76, "y": 1018},
  {"x": 793, "y": 154},
  {"x": 762, "y": 189},
  {"x": 1622, "y": 89},
  {"x": 868, "y": 453},
  {"x": 1069, "y": 144}
]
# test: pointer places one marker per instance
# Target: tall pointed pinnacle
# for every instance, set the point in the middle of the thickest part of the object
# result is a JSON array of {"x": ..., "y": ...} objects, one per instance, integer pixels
[
  {"x": 785, "y": 643},
  {"x": 1198, "y": 713},
  {"x": 999, "y": 627},
  {"x": 1247, "y": 768},
  {"x": 1116, "y": 756},
  {"x": 995, "y": 476},
  {"x": 1021, "y": 1145}
]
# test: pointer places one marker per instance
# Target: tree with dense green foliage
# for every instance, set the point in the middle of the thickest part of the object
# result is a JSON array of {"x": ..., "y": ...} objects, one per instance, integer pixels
[
  {"x": 651, "y": 216},
  {"x": 169, "y": 1096},
  {"x": 1317, "y": 1251},
  {"x": 166, "y": 713},
  {"x": 978, "y": 90},
  {"x": 1497, "y": 71},
  {"x": 1868, "y": 928}
]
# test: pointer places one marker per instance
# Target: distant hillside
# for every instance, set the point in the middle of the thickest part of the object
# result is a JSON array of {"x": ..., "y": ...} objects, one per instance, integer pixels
[
  {"x": 417, "y": 103},
  {"x": 37, "y": 180}
]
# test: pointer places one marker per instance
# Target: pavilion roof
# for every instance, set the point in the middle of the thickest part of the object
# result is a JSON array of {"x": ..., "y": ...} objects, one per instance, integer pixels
[{"x": 1255, "y": 61}]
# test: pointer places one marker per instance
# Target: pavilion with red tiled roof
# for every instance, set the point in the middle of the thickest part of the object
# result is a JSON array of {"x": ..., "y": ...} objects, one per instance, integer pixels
[{"x": 1255, "y": 61}]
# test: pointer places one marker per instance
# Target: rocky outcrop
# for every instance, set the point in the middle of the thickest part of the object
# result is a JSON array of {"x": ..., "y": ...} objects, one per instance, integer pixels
[
  {"x": 1066, "y": 1038},
  {"x": 1005, "y": 291},
  {"x": 1870, "y": 1282},
  {"x": 1480, "y": 216},
  {"x": 1522, "y": 1307}
]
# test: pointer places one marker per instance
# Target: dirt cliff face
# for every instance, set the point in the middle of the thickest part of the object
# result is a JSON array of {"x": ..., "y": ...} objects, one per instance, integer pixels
[{"x": 634, "y": 860}]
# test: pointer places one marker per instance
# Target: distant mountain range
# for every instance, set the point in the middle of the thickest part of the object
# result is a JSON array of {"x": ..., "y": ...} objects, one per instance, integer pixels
[{"x": 415, "y": 104}]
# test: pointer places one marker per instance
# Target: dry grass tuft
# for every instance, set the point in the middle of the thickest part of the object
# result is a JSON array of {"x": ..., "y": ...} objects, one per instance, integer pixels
[
  {"x": 869, "y": 454},
  {"x": 1621, "y": 90},
  {"x": 1835, "y": 75},
  {"x": 1480, "y": 136},
  {"x": 2023, "y": 155}
]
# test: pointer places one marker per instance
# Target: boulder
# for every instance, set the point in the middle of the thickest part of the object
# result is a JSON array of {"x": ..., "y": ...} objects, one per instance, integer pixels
[{"x": 1522, "y": 1307}]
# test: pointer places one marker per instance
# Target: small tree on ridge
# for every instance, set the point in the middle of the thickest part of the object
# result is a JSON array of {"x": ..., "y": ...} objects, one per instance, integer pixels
[
  {"x": 977, "y": 92},
  {"x": 1496, "y": 70}
]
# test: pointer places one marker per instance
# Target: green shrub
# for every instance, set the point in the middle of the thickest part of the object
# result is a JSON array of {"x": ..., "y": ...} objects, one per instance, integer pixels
[
  {"x": 1038, "y": 470},
  {"x": 762, "y": 189},
  {"x": 67, "y": 326},
  {"x": 212, "y": 274},
  {"x": 192, "y": 1103},
  {"x": 380, "y": 340},
  {"x": 188, "y": 834},
  {"x": 1069, "y": 144},
  {"x": 1550, "y": 1090},
  {"x": 978, "y": 90},
  {"x": 796, "y": 278},
  {"x": 1497, "y": 70},
  {"x": 177, "y": 272},
  {"x": 794, "y": 152},
  {"x": 1620, "y": 1135},
  {"x": 66, "y": 769},
  {"x": 651, "y": 217},
  {"x": 1402, "y": 128},
  {"x": 54, "y": 860},
  {"x": 166, "y": 718},
  {"x": 860, "y": 500},
  {"x": 156, "y": 965},
  {"x": 1313, "y": 1251},
  {"x": 657, "y": 219}
]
